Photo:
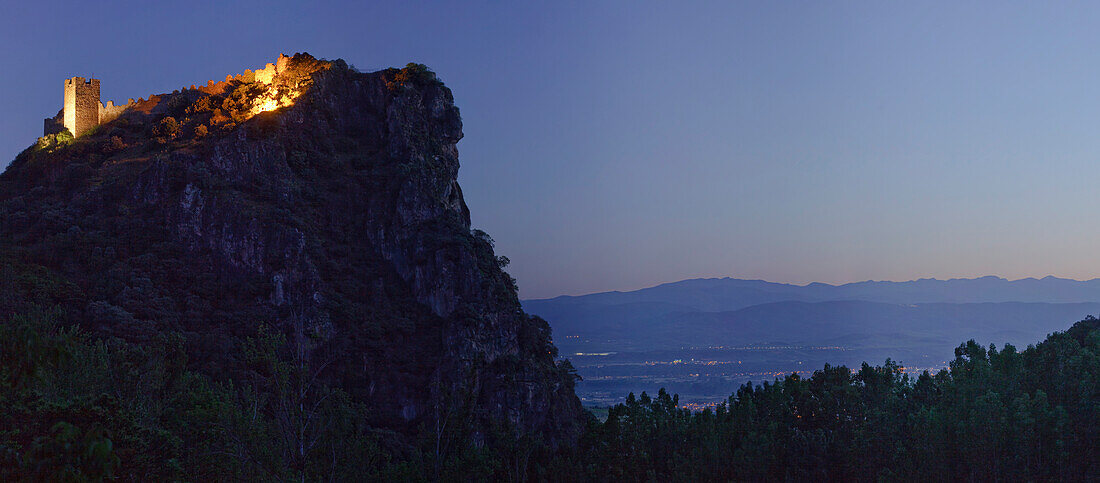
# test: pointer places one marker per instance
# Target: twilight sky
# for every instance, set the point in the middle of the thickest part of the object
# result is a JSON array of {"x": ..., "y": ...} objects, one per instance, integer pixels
[{"x": 612, "y": 146}]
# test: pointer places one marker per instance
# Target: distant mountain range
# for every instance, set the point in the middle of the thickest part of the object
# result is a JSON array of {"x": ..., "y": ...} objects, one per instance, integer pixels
[
  {"x": 916, "y": 315},
  {"x": 716, "y": 294}
]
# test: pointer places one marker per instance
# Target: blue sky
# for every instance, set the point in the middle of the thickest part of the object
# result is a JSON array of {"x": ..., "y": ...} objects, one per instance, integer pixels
[{"x": 616, "y": 145}]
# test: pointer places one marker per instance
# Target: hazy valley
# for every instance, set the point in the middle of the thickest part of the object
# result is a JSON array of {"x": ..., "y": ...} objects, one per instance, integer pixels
[{"x": 704, "y": 338}]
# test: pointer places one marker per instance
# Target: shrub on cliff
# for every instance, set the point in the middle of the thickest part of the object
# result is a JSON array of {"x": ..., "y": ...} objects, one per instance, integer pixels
[
  {"x": 205, "y": 104},
  {"x": 411, "y": 75},
  {"x": 168, "y": 128},
  {"x": 52, "y": 142},
  {"x": 112, "y": 145}
]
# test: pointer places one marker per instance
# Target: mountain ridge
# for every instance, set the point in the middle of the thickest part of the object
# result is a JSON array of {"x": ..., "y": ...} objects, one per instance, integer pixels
[{"x": 1051, "y": 289}]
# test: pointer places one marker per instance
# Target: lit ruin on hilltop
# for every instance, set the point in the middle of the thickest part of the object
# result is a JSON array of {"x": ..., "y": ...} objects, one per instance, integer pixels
[{"x": 83, "y": 112}]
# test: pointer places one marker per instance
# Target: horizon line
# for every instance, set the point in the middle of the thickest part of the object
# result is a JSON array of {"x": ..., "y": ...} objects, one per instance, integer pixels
[{"x": 807, "y": 284}]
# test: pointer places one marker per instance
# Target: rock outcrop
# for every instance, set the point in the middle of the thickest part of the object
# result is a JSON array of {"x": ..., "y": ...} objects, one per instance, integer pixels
[{"x": 337, "y": 220}]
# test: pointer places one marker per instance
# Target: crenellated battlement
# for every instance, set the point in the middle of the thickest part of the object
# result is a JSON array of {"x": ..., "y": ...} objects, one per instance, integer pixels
[{"x": 75, "y": 81}]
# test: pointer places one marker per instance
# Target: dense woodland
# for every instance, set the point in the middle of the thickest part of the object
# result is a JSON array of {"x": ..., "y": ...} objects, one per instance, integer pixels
[
  {"x": 993, "y": 415},
  {"x": 77, "y": 408}
]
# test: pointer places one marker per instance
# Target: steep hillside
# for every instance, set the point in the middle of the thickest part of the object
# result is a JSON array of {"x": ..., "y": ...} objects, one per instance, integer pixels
[{"x": 321, "y": 205}]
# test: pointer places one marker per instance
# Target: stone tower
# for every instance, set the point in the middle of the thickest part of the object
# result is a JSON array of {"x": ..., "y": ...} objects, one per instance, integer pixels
[{"x": 81, "y": 105}]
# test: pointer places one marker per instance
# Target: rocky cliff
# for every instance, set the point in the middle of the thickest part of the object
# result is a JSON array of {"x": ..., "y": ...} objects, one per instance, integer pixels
[{"x": 335, "y": 219}]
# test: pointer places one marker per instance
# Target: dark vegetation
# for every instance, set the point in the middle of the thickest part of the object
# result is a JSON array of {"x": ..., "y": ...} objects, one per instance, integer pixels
[
  {"x": 76, "y": 407},
  {"x": 412, "y": 74},
  {"x": 993, "y": 415}
]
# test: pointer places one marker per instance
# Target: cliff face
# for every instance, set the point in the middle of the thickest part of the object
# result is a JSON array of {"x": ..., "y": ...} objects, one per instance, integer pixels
[{"x": 336, "y": 220}]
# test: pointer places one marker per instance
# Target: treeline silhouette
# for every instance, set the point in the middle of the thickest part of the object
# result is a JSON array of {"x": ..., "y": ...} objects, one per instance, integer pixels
[
  {"x": 992, "y": 415},
  {"x": 76, "y": 408}
]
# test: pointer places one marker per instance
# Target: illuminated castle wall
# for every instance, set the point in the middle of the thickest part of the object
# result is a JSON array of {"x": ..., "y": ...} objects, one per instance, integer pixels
[{"x": 83, "y": 111}]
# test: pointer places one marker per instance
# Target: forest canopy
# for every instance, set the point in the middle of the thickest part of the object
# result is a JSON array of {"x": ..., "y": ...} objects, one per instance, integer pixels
[{"x": 79, "y": 408}]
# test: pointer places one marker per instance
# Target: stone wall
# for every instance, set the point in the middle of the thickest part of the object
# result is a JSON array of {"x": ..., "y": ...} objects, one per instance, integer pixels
[
  {"x": 110, "y": 111},
  {"x": 263, "y": 76},
  {"x": 54, "y": 125}
]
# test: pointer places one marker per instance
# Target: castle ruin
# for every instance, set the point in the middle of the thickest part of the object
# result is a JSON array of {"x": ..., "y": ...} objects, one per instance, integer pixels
[{"x": 83, "y": 112}]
